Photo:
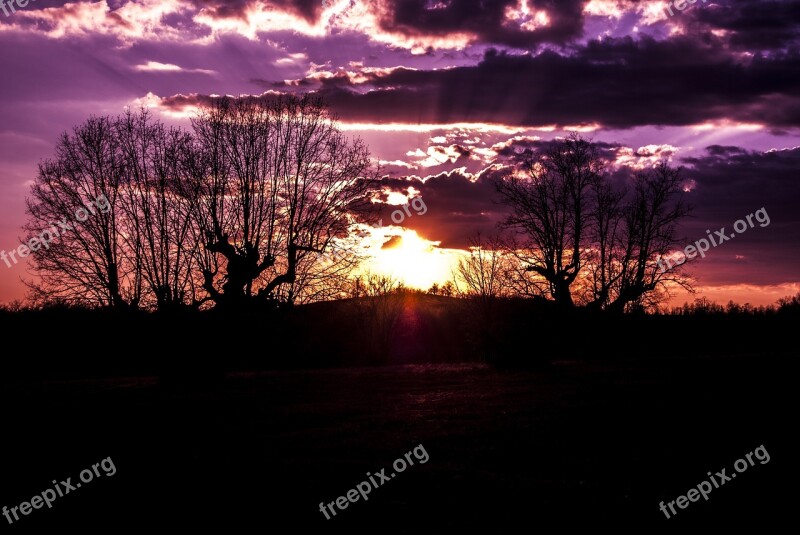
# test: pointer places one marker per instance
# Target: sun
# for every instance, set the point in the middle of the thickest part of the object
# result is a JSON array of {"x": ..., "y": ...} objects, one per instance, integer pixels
[{"x": 412, "y": 260}]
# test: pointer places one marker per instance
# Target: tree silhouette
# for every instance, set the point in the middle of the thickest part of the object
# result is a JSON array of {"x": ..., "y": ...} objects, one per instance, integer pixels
[
  {"x": 481, "y": 278},
  {"x": 235, "y": 211},
  {"x": 649, "y": 222},
  {"x": 269, "y": 182},
  {"x": 160, "y": 239},
  {"x": 585, "y": 241},
  {"x": 482, "y": 273},
  {"x": 550, "y": 206},
  {"x": 77, "y": 246}
]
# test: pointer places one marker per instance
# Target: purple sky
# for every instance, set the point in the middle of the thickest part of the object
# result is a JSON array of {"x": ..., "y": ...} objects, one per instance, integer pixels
[{"x": 442, "y": 90}]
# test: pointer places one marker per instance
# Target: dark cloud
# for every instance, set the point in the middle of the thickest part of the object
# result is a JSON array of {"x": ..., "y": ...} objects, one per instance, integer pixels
[
  {"x": 486, "y": 20},
  {"x": 178, "y": 102},
  {"x": 617, "y": 83},
  {"x": 752, "y": 24},
  {"x": 305, "y": 84},
  {"x": 458, "y": 206},
  {"x": 733, "y": 182},
  {"x": 515, "y": 149}
]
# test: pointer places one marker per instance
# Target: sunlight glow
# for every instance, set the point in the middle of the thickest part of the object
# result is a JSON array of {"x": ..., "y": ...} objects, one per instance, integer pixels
[{"x": 414, "y": 261}]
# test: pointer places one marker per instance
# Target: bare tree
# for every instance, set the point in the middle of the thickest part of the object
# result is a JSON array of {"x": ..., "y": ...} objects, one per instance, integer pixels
[
  {"x": 520, "y": 280},
  {"x": 482, "y": 273},
  {"x": 159, "y": 236},
  {"x": 650, "y": 226},
  {"x": 239, "y": 209},
  {"x": 326, "y": 276},
  {"x": 270, "y": 182},
  {"x": 73, "y": 224},
  {"x": 549, "y": 206},
  {"x": 586, "y": 241},
  {"x": 481, "y": 279}
]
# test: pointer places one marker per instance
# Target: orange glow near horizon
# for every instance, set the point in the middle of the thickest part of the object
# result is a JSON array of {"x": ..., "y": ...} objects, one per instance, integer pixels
[
  {"x": 418, "y": 263},
  {"x": 413, "y": 261}
]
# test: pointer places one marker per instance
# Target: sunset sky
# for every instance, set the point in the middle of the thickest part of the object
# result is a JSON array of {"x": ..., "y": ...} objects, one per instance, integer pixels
[{"x": 442, "y": 91}]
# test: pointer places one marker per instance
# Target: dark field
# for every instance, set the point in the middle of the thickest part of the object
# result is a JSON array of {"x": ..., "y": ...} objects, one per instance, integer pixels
[{"x": 583, "y": 442}]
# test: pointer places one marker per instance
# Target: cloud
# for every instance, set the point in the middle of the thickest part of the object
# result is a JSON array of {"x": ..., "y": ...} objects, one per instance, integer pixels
[
  {"x": 292, "y": 60},
  {"x": 729, "y": 184},
  {"x": 437, "y": 155},
  {"x": 516, "y": 23},
  {"x": 459, "y": 204},
  {"x": 129, "y": 22},
  {"x": 155, "y": 66},
  {"x": 616, "y": 83},
  {"x": 421, "y": 26},
  {"x": 754, "y": 25}
]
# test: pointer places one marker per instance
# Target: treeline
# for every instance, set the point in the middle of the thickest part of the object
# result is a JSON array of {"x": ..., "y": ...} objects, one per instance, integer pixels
[
  {"x": 704, "y": 307},
  {"x": 234, "y": 211},
  {"x": 400, "y": 327},
  {"x": 243, "y": 209}
]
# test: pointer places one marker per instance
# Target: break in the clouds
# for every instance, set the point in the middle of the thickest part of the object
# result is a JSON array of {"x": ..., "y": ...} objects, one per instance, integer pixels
[{"x": 724, "y": 185}]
